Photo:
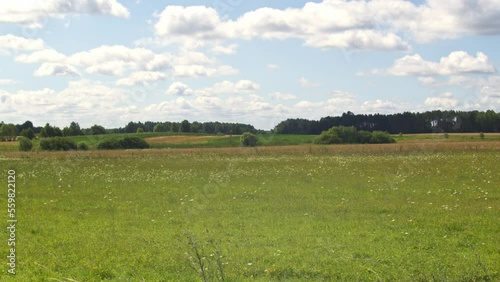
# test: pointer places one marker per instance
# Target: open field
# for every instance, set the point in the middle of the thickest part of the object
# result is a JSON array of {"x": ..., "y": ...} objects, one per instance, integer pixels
[
  {"x": 168, "y": 140},
  {"x": 408, "y": 211}
]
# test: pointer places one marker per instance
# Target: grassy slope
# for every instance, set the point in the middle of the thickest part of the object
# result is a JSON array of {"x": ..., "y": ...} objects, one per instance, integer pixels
[{"x": 417, "y": 216}]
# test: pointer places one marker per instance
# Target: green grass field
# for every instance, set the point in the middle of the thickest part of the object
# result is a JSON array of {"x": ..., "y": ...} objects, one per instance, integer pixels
[{"x": 426, "y": 215}]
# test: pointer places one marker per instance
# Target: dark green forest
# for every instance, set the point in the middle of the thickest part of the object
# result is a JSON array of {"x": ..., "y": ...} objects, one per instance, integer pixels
[{"x": 407, "y": 122}]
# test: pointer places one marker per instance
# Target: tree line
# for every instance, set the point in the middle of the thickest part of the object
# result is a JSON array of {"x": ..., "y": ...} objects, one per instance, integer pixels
[
  {"x": 9, "y": 132},
  {"x": 406, "y": 123}
]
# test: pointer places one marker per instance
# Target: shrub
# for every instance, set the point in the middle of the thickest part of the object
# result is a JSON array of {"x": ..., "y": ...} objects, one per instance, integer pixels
[
  {"x": 364, "y": 136},
  {"x": 123, "y": 143},
  {"x": 28, "y": 133},
  {"x": 339, "y": 135},
  {"x": 139, "y": 130},
  {"x": 133, "y": 143},
  {"x": 25, "y": 144},
  {"x": 109, "y": 144},
  {"x": 248, "y": 139},
  {"x": 82, "y": 146},
  {"x": 481, "y": 135},
  {"x": 57, "y": 144},
  {"x": 380, "y": 137},
  {"x": 349, "y": 135},
  {"x": 328, "y": 137}
]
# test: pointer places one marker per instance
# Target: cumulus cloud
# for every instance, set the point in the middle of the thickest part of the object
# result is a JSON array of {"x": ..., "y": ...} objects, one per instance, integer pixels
[
  {"x": 304, "y": 82},
  {"x": 282, "y": 96},
  {"x": 228, "y": 87},
  {"x": 42, "y": 56},
  {"x": 113, "y": 60},
  {"x": 379, "y": 105},
  {"x": 56, "y": 69},
  {"x": 226, "y": 50},
  {"x": 141, "y": 78},
  {"x": 360, "y": 25},
  {"x": 12, "y": 42},
  {"x": 458, "y": 62},
  {"x": 35, "y": 14},
  {"x": 444, "y": 101},
  {"x": 179, "y": 89}
]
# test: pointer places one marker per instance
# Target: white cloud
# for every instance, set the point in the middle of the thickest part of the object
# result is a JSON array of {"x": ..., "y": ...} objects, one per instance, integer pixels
[
  {"x": 12, "y": 42},
  {"x": 273, "y": 66},
  {"x": 42, "y": 56},
  {"x": 379, "y": 105},
  {"x": 361, "y": 25},
  {"x": 458, "y": 62},
  {"x": 35, "y": 14},
  {"x": 179, "y": 89},
  {"x": 282, "y": 96},
  {"x": 193, "y": 23},
  {"x": 444, "y": 101},
  {"x": 56, "y": 69},
  {"x": 113, "y": 60},
  {"x": 7, "y": 81},
  {"x": 304, "y": 82},
  {"x": 141, "y": 78},
  {"x": 194, "y": 71},
  {"x": 226, "y": 50},
  {"x": 228, "y": 87}
]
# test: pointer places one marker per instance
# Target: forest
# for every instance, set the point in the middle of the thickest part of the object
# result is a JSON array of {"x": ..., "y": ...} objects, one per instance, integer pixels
[{"x": 407, "y": 122}]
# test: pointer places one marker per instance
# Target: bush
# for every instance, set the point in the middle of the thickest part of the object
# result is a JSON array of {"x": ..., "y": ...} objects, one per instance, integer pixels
[
  {"x": 82, "y": 146},
  {"x": 133, "y": 143},
  {"x": 338, "y": 135},
  {"x": 57, "y": 144},
  {"x": 25, "y": 144},
  {"x": 350, "y": 135},
  {"x": 123, "y": 143},
  {"x": 248, "y": 139},
  {"x": 481, "y": 135},
  {"x": 380, "y": 137},
  {"x": 364, "y": 136},
  {"x": 28, "y": 133}
]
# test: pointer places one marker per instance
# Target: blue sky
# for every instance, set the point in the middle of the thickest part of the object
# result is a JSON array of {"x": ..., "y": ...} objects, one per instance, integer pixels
[{"x": 109, "y": 62}]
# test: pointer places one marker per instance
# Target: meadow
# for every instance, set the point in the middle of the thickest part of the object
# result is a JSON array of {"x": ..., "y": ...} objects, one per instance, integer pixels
[{"x": 394, "y": 212}]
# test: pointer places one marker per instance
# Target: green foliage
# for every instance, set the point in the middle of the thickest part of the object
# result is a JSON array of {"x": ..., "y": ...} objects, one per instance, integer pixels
[
  {"x": 97, "y": 130},
  {"x": 349, "y": 135},
  {"x": 82, "y": 146},
  {"x": 185, "y": 126},
  {"x": 8, "y": 132},
  {"x": 50, "y": 131},
  {"x": 481, "y": 135},
  {"x": 248, "y": 139},
  {"x": 57, "y": 144},
  {"x": 72, "y": 130},
  {"x": 381, "y": 137},
  {"x": 139, "y": 130},
  {"x": 205, "y": 258},
  {"x": 127, "y": 142},
  {"x": 446, "y": 136},
  {"x": 25, "y": 144},
  {"x": 28, "y": 133}
]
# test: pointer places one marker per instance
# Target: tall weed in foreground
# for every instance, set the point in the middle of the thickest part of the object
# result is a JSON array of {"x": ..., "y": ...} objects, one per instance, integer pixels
[{"x": 205, "y": 258}]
